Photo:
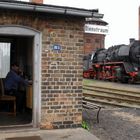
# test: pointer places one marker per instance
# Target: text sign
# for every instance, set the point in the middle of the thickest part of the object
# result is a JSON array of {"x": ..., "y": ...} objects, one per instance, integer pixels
[
  {"x": 96, "y": 29},
  {"x": 56, "y": 48}
]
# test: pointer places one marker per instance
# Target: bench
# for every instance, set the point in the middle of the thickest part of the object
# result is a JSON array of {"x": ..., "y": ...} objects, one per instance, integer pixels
[{"x": 87, "y": 105}]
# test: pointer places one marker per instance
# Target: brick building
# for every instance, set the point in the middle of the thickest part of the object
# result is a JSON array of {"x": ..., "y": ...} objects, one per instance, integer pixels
[
  {"x": 48, "y": 43},
  {"x": 95, "y": 39}
]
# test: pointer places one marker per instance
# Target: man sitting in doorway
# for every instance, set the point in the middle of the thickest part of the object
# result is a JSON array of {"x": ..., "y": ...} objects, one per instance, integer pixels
[{"x": 11, "y": 84}]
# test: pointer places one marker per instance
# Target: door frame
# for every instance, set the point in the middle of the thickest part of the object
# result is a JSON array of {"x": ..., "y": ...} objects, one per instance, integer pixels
[{"x": 17, "y": 30}]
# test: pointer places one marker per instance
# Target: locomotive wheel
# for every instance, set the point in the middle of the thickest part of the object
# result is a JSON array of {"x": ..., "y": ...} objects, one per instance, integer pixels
[
  {"x": 97, "y": 75},
  {"x": 91, "y": 75},
  {"x": 131, "y": 81},
  {"x": 86, "y": 75},
  {"x": 124, "y": 80}
]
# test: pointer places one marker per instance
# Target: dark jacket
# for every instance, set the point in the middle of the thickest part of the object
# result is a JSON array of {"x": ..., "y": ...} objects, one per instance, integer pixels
[{"x": 13, "y": 80}]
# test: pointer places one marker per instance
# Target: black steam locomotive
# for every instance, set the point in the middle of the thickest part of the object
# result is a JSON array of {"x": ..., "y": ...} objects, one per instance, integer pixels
[{"x": 117, "y": 63}]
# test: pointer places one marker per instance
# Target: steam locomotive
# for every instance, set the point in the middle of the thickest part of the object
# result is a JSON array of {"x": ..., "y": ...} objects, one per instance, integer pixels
[{"x": 117, "y": 63}]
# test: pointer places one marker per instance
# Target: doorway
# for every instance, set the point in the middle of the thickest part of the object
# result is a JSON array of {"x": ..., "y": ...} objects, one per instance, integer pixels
[{"x": 23, "y": 45}]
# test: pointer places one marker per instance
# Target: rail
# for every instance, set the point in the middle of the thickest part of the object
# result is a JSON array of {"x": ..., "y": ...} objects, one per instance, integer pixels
[{"x": 111, "y": 96}]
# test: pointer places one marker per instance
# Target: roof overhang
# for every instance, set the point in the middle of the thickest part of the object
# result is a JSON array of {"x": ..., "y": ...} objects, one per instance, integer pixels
[{"x": 27, "y": 6}]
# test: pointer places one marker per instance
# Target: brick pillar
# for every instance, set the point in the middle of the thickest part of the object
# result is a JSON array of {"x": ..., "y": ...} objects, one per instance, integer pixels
[{"x": 37, "y": 1}]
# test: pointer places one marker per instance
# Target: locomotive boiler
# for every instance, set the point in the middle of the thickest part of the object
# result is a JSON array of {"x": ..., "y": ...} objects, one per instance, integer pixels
[{"x": 117, "y": 63}]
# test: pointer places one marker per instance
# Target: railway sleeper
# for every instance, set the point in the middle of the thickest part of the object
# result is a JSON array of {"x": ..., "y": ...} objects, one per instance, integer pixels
[
  {"x": 104, "y": 102},
  {"x": 113, "y": 91},
  {"x": 112, "y": 96}
]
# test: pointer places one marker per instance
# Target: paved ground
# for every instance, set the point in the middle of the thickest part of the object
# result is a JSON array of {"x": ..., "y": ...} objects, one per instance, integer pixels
[
  {"x": 115, "y": 124},
  {"x": 59, "y": 134}
]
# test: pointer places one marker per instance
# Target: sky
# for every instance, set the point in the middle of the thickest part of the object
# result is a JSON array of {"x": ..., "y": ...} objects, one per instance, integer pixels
[{"x": 121, "y": 16}]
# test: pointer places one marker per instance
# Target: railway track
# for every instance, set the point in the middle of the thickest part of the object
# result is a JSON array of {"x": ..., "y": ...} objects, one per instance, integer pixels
[{"x": 112, "y": 96}]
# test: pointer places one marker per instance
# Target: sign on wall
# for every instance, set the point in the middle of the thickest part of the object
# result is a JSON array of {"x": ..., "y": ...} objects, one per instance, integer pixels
[
  {"x": 56, "y": 48},
  {"x": 96, "y": 29}
]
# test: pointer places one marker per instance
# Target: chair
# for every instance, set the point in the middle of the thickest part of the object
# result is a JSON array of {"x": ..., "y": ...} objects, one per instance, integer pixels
[{"x": 7, "y": 98}]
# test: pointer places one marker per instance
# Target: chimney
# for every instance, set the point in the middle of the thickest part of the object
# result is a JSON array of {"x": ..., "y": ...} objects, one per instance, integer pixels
[{"x": 36, "y": 1}]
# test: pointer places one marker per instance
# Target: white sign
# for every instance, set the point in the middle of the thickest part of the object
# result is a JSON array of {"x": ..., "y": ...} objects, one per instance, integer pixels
[{"x": 96, "y": 29}]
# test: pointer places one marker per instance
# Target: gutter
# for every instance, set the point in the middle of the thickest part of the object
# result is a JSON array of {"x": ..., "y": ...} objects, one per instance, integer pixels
[{"x": 26, "y": 6}]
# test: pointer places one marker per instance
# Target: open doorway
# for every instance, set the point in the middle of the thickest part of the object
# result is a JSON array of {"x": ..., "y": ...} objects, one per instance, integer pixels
[
  {"x": 22, "y": 45},
  {"x": 17, "y": 49}
]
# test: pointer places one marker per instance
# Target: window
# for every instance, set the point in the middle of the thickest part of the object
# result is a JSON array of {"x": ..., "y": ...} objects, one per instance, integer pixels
[{"x": 4, "y": 58}]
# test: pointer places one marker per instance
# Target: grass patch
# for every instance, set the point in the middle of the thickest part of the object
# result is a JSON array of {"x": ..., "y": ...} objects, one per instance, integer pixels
[
  {"x": 88, "y": 81},
  {"x": 85, "y": 125}
]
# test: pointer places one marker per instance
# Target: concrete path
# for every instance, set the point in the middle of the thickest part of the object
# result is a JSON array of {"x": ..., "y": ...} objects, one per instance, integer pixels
[{"x": 58, "y": 134}]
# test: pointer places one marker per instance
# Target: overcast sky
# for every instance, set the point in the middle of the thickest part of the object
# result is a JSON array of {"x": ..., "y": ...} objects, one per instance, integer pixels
[{"x": 121, "y": 15}]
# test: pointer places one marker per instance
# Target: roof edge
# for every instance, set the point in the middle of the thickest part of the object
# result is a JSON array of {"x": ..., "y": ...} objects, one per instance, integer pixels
[{"x": 27, "y": 6}]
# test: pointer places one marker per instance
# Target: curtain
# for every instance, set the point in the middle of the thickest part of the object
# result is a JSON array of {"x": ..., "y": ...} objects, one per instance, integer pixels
[{"x": 4, "y": 59}]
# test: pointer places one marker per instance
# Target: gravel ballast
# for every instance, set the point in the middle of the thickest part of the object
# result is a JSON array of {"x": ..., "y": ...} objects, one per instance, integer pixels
[{"x": 115, "y": 123}]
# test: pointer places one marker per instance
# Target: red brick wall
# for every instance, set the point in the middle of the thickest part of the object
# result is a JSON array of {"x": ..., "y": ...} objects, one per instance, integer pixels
[
  {"x": 93, "y": 41},
  {"x": 61, "y": 85}
]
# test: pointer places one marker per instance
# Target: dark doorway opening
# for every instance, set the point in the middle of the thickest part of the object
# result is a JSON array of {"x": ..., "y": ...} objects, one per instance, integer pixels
[{"x": 17, "y": 49}]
